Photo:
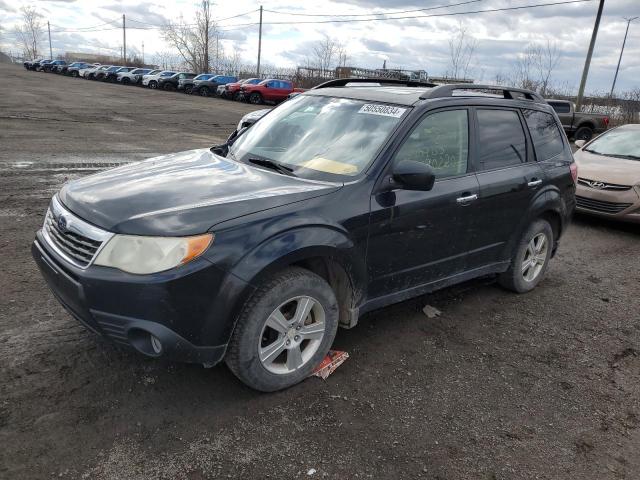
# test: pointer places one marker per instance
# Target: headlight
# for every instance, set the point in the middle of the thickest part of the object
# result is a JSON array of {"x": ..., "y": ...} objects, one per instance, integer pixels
[{"x": 142, "y": 255}]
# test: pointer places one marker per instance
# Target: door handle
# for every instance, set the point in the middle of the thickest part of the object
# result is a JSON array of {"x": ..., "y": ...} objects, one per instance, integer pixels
[
  {"x": 535, "y": 183},
  {"x": 466, "y": 200}
]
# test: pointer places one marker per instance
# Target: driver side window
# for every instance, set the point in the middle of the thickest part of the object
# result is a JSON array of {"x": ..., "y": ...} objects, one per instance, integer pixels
[{"x": 440, "y": 140}]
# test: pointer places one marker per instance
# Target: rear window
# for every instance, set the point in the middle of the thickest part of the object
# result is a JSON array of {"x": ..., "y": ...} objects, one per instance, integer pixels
[
  {"x": 560, "y": 107},
  {"x": 545, "y": 134},
  {"x": 501, "y": 141}
]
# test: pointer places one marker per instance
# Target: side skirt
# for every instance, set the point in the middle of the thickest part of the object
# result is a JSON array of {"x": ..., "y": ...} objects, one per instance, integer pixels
[{"x": 396, "y": 297}]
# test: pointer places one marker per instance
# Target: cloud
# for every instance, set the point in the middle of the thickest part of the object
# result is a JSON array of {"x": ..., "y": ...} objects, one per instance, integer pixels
[{"x": 412, "y": 43}]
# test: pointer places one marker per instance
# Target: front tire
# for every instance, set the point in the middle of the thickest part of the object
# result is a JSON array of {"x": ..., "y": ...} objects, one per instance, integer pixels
[
  {"x": 204, "y": 91},
  {"x": 126, "y": 81},
  {"x": 187, "y": 89},
  {"x": 531, "y": 258},
  {"x": 284, "y": 330},
  {"x": 153, "y": 84}
]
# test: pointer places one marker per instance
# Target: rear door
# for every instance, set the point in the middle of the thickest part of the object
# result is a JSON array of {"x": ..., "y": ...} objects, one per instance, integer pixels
[
  {"x": 418, "y": 237},
  {"x": 509, "y": 179}
]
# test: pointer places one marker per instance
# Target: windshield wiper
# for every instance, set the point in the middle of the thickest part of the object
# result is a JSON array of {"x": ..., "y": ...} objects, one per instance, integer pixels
[{"x": 278, "y": 167}]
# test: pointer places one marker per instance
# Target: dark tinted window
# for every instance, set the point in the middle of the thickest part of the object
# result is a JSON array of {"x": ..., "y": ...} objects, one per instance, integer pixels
[
  {"x": 561, "y": 107},
  {"x": 545, "y": 134},
  {"x": 501, "y": 140},
  {"x": 440, "y": 140}
]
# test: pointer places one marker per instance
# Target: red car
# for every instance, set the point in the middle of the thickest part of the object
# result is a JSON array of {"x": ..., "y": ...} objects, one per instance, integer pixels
[
  {"x": 232, "y": 90},
  {"x": 271, "y": 90}
]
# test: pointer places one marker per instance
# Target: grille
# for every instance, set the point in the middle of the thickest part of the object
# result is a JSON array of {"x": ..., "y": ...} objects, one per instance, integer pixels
[
  {"x": 602, "y": 185},
  {"x": 82, "y": 249},
  {"x": 601, "y": 206}
]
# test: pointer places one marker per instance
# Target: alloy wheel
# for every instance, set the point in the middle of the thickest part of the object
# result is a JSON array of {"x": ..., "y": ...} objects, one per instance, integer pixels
[
  {"x": 535, "y": 257},
  {"x": 291, "y": 335}
]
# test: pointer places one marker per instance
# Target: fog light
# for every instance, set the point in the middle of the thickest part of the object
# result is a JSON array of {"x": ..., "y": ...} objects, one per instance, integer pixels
[{"x": 156, "y": 345}]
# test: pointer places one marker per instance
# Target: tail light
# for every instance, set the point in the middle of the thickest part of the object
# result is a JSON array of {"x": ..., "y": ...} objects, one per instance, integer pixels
[
  {"x": 574, "y": 172},
  {"x": 606, "y": 121}
]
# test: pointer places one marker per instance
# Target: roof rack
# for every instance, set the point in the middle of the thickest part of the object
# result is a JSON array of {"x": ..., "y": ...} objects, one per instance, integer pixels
[
  {"x": 509, "y": 93},
  {"x": 341, "y": 82}
]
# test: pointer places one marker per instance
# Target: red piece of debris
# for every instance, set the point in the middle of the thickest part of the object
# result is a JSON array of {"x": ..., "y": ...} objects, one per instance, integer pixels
[{"x": 333, "y": 360}]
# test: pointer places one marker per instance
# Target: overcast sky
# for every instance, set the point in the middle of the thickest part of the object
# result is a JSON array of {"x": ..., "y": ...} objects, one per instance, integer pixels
[{"x": 411, "y": 43}]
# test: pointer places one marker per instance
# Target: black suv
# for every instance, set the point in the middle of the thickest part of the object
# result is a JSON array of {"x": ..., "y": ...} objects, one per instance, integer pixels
[
  {"x": 337, "y": 202},
  {"x": 171, "y": 82}
]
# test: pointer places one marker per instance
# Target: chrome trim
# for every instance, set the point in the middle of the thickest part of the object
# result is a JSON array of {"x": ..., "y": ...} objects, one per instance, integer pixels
[
  {"x": 602, "y": 185},
  {"x": 76, "y": 225}
]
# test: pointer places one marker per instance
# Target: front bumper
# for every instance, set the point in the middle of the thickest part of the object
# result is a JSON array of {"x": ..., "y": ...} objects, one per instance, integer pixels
[
  {"x": 187, "y": 308},
  {"x": 616, "y": 205}
]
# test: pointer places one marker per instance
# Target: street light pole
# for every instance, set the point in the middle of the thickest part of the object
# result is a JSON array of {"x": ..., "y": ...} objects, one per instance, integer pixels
[
  {"x": 50, "y": 49},
  {"x": 587, "y": 62},
  {"x": 259, "y": 44},
  {"x": 615, "y": 77}
]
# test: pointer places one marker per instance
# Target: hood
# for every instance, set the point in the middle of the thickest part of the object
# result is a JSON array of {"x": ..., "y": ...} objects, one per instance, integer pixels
[
  {"x": 620, "y": 171},
  {"x": 182, "y": 194}
]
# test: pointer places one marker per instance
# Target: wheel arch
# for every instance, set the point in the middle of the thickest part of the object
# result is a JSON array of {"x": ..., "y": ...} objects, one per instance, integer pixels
[
  {"x": 547, "y": 206},
  {"x": 327, "y": 252}
]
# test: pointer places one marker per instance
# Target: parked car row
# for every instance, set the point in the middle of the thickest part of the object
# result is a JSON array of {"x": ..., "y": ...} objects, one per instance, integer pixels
[{"x": 252, "y": 90}]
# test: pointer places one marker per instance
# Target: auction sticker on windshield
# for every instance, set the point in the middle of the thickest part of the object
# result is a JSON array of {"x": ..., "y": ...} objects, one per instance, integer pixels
[{"x": 384, "y": 110}]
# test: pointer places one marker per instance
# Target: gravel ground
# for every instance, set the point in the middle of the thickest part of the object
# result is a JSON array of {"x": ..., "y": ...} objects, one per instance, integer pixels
[{"x": 500, "y": 386}]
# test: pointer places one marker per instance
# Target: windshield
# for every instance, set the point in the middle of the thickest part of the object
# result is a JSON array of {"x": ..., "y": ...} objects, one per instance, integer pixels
[
  {"x": 167, "y": 74},
  {"x": 320, "y": 137},
  {"x": 620, "y": 142},
  {"x": 203, "y": 76}
]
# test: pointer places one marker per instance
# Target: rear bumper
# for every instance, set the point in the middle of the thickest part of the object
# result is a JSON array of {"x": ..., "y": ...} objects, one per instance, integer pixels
[{"x": 186, "y": 310}]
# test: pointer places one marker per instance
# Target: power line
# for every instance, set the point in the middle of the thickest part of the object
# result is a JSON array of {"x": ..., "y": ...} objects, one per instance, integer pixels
[
  {"x": 79, "y": 29},
  {"x": 372, "y": 14},
  {"x": 432, "y": 15}
]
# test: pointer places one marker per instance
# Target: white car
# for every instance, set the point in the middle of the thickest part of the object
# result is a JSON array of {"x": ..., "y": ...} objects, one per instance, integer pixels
[
  {"x": 134, "y": 76},
  {"x": 88, "y": 73},
  {"x": 151, "y": 80}
]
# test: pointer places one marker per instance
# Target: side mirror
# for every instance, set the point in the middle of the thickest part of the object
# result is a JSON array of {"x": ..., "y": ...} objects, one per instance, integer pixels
[
  {"x": 580, "y": 143},
  {"x": 414, "y": 175}
]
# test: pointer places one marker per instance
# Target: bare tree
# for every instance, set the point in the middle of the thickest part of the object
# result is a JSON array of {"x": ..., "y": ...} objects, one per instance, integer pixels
[
  {"x": 327, "y": 54},
  {"x": 232, "y": 63},
  {"x": 194, "y": 41},
  {"x": 546, "y": 60},
  {"x": 524, "y": 70},
  {"x": 30, "y": 31},
  {"x": 535, "y": 66},
  {"x": 462, "y": 48}
]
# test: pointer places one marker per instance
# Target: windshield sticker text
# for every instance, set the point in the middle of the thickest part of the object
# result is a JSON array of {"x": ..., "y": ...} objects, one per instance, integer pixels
[{"x": 384, "y": 110}]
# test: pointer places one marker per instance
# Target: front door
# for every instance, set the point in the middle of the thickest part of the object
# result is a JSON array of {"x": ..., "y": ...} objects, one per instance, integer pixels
[{"x": 417, "y": 237}]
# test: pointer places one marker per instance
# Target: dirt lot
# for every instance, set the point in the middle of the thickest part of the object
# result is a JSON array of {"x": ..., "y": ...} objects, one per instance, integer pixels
[{"x": 501, "y": 386}]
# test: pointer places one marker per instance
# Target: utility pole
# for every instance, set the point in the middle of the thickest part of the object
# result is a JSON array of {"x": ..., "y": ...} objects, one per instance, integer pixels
[
  {"x": 124, "y": 41},
  {"x": 615, "y": 77},
  {"x": 259, "y": 43},
  {"x": 143, "y": 52},
  {"x": 50, "y": 49},
  {"x": 587, "y": 62}
]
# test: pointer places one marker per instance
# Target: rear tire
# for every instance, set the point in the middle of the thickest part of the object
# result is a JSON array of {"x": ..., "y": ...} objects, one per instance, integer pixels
[
  {"x": 583, "y": 133},
  {"x": 531, "y": 258},
  {"x": 236, "y": 97},
  {"x": 126, "y": 81},
  {"x": 188, "y": 89},
  {"x": 153, "y": 84},
  {"x": 284, "y": 330},
  {"x": 203, "y": 91},
  {"x": 168, "y": 87}
]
